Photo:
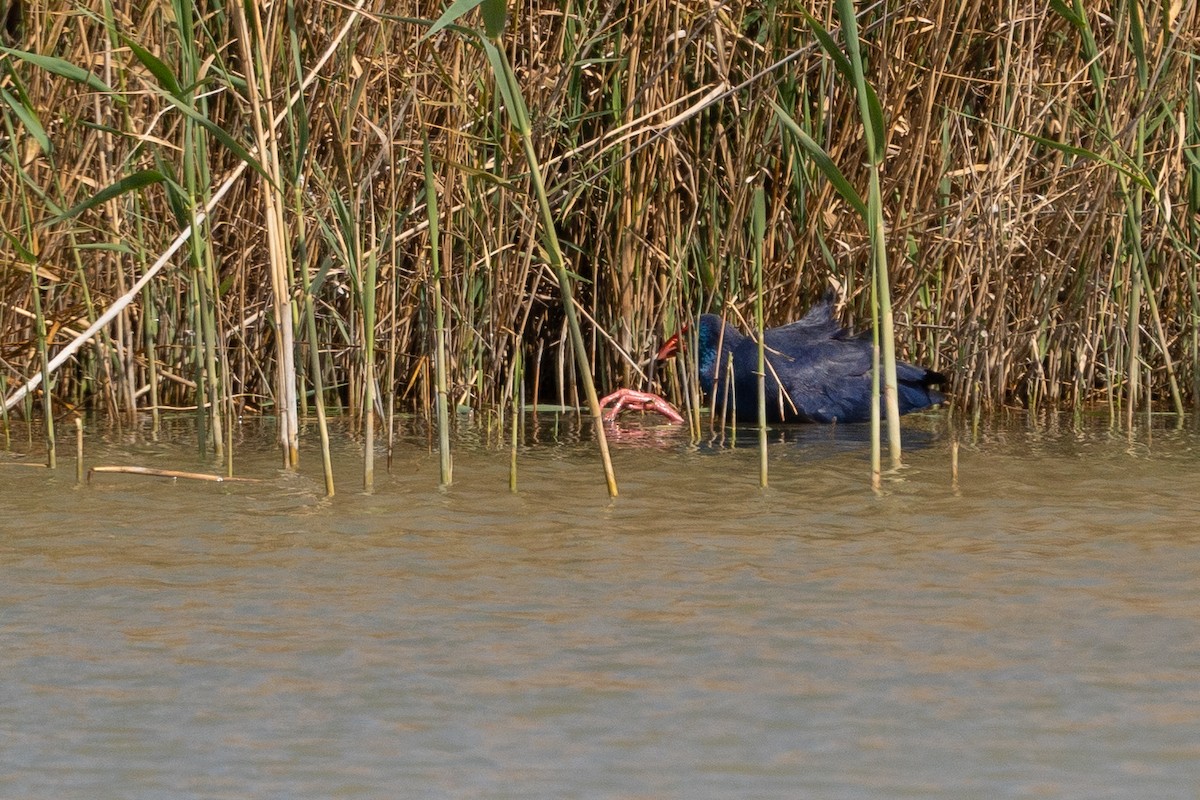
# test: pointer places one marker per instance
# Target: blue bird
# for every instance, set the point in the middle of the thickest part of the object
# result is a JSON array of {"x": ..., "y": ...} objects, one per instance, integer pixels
[{"x": 816, "y": 372}]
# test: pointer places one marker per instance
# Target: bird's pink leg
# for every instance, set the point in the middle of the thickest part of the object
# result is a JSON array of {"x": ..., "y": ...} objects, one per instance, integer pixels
[{"x": 639, "y": 401}]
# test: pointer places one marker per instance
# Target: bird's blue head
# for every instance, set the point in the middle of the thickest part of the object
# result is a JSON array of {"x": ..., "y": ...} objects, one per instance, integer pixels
[{"x": 713, "y": 337}]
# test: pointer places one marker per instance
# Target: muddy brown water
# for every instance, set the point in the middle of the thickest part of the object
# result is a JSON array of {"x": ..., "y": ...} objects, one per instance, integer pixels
[{"x": 1033, "y": 632}]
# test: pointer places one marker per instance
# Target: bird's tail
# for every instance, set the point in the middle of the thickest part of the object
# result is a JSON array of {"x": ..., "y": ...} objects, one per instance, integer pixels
[{"x": 917, "y": 392}]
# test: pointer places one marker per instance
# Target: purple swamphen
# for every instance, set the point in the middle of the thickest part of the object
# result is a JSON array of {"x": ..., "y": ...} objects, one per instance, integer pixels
[{"x": 816, "y": 372}]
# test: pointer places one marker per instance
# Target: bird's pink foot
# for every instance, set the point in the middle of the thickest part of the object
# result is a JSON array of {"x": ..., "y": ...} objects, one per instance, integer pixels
[{"x": 634, "y": 400}]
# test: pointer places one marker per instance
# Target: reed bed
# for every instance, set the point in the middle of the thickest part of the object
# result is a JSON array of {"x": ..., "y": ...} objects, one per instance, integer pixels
[{"x": 1040, "y": 188}]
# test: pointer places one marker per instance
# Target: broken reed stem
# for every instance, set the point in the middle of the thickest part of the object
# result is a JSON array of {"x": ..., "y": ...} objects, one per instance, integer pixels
[
  {"x": 954, "y": 463},
  {"x": 390, "y": 421},
  {"x": 78, "y": 450},
  {"x": 876, "y": 440},
  {"x": 6, "y": 424},
  {"x": 231, "y": 416},
  {"x": 149, "y": 334}
]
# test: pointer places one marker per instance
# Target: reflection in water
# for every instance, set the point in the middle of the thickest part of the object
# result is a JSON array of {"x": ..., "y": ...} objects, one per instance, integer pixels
[{"x": 1031, "y": 635}]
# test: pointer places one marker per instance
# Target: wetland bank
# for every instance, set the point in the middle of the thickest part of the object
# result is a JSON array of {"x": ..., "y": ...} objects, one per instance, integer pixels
[{"x": 379, "y": 217}]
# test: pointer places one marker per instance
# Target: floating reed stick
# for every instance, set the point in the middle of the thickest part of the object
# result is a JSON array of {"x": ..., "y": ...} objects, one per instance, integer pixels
[{"x": 169, "y": 473}]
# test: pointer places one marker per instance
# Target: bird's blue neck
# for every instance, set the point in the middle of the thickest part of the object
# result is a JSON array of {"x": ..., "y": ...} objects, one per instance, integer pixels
[{"x": 713, "y": 347}]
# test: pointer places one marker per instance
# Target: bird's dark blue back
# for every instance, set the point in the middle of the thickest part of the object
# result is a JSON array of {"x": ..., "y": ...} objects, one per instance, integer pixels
[{"x": 817, "y": 372}]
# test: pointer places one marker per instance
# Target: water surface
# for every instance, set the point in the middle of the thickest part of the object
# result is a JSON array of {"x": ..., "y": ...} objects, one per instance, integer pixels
[{"x": 1030, "y": 632}]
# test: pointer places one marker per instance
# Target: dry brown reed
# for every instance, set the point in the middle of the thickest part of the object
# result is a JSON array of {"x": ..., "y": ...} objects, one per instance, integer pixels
[{"x": 1043, "y": 205}]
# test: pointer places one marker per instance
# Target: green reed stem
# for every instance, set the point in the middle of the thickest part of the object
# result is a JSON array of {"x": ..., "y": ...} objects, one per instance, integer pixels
[
  {"x": 516, "y": 413},
  {"x": 760, "y": 224},
  {"x": 440, "y": 366},
  {"x": 197, "y": 182},
  {"x": 47, "y": 394},
  {"x": 871, "y": 114},
  {"x": 520, "y": 119},
  {"x": 300, "y": 131},
  {"x": 370, "y": 277},
  {"x": 314, "y": 349},
  {"x": 150, "y": 335}
]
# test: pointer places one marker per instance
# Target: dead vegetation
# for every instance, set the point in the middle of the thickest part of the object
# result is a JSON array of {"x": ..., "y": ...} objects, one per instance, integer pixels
[{"x": 1041, "y": 188}]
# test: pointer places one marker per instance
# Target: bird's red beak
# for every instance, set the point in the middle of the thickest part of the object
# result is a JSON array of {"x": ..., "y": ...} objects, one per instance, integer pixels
[{"x": 671, "y": 346}]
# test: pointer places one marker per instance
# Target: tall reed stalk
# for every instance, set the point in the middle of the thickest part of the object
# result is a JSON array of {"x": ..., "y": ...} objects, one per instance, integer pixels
[
  {"x": 314, "y": 351},
  {"x": 47, "y": 395},
  {"x": 516, "y": 412},
  {"x": 257, "y": 58},
  {"x": 370, "y": 280},
  {"x": 78, "y": 451},
  {"x": 871, "y": 114},
  {"x": 520, "y": 119},
  {"x": 440, "y": 366},
  {"x": 759, "y": 222},
  {"x": 197, "y": 185}
]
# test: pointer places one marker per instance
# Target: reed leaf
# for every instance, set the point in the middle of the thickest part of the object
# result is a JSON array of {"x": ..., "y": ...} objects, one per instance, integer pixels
[
  {"x": 130, "y": 183},
  {"x": 159, "y": 69},
  {"x": 29, "y": 120},
  {"x": 821, "y": 160},
  {"x": 63, "y": 69},
  {"x": 453, "y": 13}
]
